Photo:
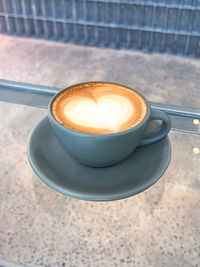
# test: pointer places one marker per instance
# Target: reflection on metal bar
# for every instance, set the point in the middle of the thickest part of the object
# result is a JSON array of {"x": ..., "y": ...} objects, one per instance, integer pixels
[
  {"x": 39, "y": 96},
  {"x": 26, "y": 94},
  {"x": 184, "y": 124},
  {"x": 177, "y": 110}
]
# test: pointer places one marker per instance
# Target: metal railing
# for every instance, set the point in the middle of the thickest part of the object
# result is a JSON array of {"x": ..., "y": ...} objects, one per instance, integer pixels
[{"x": 183, "y": 119}]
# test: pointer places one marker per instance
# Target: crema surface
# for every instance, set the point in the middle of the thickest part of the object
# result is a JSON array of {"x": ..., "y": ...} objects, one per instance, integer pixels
[{"x": 99, "y": 108}]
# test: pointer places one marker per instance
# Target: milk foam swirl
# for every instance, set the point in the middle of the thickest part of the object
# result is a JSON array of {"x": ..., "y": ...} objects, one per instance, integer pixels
[
  {"x": 99, "y": 108},
  {"x": 108, "y": 111}
]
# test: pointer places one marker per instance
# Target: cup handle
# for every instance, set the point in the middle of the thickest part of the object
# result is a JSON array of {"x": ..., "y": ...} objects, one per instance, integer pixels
[{"x": 161, "y": 131}]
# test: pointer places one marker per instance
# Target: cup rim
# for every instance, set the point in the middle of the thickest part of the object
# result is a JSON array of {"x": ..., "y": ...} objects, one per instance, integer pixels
[{"x": 99, "y": 135}]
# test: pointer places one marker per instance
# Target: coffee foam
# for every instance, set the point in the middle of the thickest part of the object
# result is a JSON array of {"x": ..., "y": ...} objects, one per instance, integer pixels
[{"x": 99, "y": 108}]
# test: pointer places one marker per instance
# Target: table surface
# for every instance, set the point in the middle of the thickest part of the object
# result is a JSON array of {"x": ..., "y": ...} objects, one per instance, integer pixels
[{"x": 40, "y": 227}]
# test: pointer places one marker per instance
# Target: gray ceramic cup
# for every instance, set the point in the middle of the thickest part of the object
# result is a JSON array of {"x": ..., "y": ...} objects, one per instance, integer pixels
[{"x": 102, "y": 150}]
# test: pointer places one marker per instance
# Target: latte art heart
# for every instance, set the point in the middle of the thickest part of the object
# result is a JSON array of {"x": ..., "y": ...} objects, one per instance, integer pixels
[
  {"x": 99, "y": 108},
  {"x": 108, "y": 112}
]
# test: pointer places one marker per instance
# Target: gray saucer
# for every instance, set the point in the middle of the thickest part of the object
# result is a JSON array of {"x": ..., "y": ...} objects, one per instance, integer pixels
[{"x": 62, "y": 173}]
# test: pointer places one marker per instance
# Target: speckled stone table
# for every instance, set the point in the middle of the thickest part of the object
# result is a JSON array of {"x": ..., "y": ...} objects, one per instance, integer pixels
[{"x": 40, "y": 227}]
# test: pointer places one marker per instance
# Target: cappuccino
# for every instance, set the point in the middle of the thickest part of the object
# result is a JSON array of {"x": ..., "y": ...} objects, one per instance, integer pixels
[{"x": 99, "y": 108}]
